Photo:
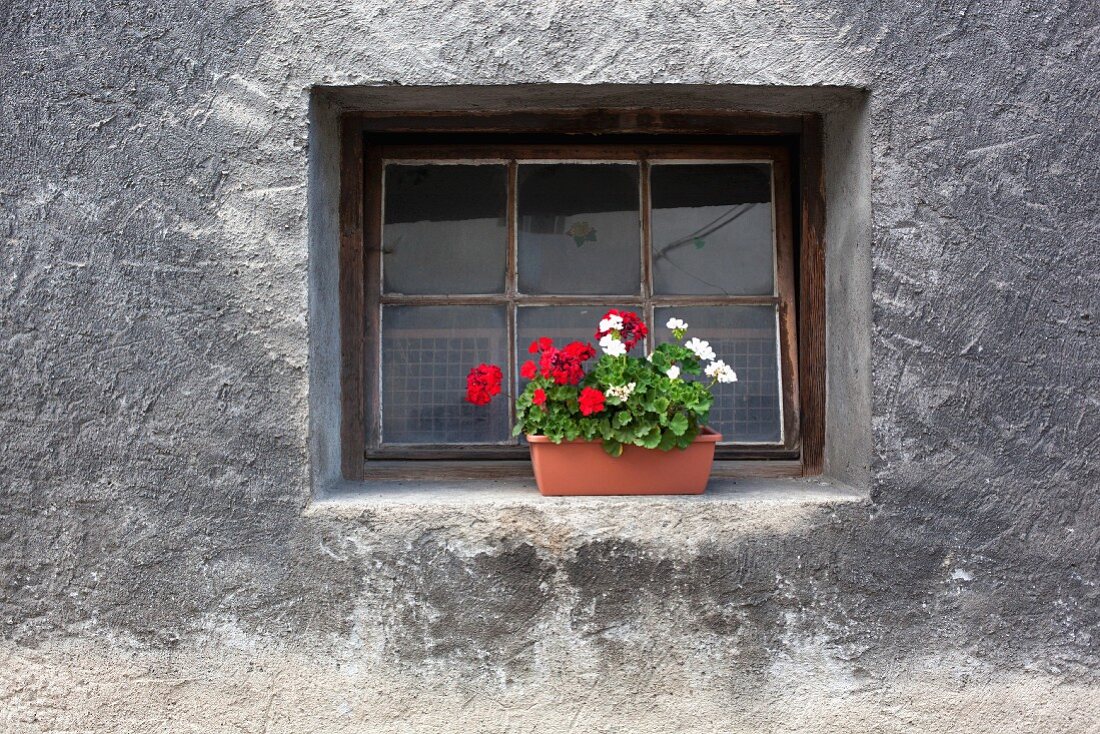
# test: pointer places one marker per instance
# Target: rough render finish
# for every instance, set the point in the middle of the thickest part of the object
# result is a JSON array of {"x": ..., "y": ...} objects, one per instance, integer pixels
[{"x": 163, "y": 568}]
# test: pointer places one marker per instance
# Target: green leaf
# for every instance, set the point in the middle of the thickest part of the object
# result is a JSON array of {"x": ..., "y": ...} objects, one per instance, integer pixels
[
  {"x": 613, "y": 448},
  {"x": 679, "y": 424},
  {"x": 621, "y": 419}
]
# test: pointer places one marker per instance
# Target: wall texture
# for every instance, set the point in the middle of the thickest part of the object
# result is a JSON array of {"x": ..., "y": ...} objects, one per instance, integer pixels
[{"x": 161, "y": 564}]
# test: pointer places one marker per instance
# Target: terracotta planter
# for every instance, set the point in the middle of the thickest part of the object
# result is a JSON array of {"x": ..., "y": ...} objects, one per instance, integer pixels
[{"x": 584, "y": 468}]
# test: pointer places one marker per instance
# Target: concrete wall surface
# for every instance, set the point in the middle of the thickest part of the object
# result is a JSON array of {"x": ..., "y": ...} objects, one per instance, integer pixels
[{"x": 165, "y": 566}]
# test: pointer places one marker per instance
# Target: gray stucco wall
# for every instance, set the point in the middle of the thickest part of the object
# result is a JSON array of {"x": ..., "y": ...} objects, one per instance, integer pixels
[{"x": 164, "y": 568}]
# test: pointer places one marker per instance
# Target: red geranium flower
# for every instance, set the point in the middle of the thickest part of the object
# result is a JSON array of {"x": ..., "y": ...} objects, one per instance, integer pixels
[
  {"x": 633, "y": 331},
  {"x": 539, "y": 397},
  {"x": 527, "y": 371},
  {"x": 591, "y": 401},
  {"x": 483, "y": 383},
  {"x": 580, "y": 351},
  {"x": 565, "y": 366},
  {"x": 540, "y": 345}
]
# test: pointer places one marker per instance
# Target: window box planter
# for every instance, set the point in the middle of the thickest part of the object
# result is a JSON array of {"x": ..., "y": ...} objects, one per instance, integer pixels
[{"x": 580, "y": 468}]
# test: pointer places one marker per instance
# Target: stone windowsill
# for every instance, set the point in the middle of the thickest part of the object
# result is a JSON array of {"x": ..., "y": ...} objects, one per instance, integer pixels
[{"x": 356, "y": 496}]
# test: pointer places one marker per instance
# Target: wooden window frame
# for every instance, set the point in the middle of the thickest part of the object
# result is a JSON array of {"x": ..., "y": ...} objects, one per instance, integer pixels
[{"x": 791, "y": 142}]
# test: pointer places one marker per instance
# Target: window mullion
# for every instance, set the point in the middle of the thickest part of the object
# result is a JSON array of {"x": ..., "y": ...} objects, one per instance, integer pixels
[
  {"x": 647, "y": 250},
  {"x": 511, "y": 288},
  {"x": 513, "y": 368},
  {"x": 510, "y": 277}
]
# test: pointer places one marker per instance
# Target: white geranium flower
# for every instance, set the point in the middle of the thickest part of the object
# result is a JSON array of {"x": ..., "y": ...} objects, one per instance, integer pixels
[
  {"x": 612, "y": 346},
  {"x": 611, "y": 323},
  {"x": 677, "y": 324},
  {"x": 720, "y": 371},
  {"x": 673, "y": 372},
  {"x": 622, "y": 392},
  {"x": 701, "y": 348}
]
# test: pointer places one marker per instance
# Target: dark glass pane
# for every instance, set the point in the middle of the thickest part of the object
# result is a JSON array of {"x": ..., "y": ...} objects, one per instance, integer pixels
[
  {"x": 427, "y": 351},
  {"x": 579, "y": 229},
  {"x": 712, "y": 229},
  {"x": 444, "y": 229},
  {"x": 747, "y": 339}
]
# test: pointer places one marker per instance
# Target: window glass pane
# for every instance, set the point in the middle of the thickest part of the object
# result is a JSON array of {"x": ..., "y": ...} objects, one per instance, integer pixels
[
  {"x": 747, "y": 339},
  {"x": 444, "y": 229},
  {"x": 712, "y": 229},
  {"x": 579, "y": 229},
  {"x": 427, "y": 351},
  {"x": 563, "y": 324}
]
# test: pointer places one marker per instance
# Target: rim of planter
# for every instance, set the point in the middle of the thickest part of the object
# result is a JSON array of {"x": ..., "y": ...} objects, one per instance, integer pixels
[{"x": 707, "y": 435}]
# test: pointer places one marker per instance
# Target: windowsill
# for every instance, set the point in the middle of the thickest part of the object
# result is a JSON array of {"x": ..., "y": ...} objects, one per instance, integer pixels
[{"x": 353, "y": 497}]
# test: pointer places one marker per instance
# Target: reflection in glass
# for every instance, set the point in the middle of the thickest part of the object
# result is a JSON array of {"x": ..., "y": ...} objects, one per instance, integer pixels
[
  {"x": 427, "y": 352},
  {"x": 579, "y": 229},
  {"x": 712, "y": 229},
  {"x": 746, "y": 338},
  {"x": 444, "y": 229}
]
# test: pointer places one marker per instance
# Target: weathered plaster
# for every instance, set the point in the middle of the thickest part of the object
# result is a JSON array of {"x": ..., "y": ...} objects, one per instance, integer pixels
[{"x": 161, "y": 563}]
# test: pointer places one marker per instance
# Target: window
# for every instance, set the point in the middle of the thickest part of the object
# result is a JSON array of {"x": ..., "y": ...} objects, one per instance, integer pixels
[{"x": 463, "y": 247}]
